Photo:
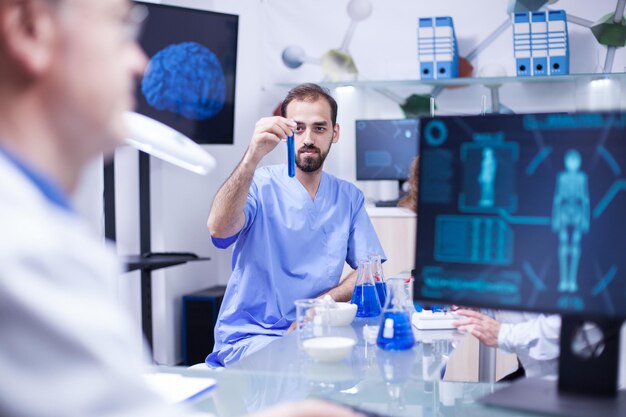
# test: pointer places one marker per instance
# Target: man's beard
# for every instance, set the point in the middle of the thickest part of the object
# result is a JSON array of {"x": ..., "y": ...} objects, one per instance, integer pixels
[{"x": 311, "y": 163}]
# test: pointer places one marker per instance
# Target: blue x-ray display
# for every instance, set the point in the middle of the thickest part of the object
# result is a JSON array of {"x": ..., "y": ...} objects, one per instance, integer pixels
[{"x": 524, "y": 212}]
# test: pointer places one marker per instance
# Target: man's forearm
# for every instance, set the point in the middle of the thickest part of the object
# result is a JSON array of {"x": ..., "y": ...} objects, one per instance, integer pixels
[
  {"x": 227, "y": 217},
  {"x": 343, "y": 291}
]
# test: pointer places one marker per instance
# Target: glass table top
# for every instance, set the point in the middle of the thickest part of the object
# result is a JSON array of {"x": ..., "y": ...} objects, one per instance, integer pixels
[{"x": 407, "y": 383}]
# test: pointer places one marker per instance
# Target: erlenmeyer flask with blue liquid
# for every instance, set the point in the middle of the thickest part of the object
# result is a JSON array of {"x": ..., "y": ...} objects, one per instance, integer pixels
[
  {"x": 379, "y": 278},
  {"x": 396, "y": 332},
  {"x": 365, "y": 295}
]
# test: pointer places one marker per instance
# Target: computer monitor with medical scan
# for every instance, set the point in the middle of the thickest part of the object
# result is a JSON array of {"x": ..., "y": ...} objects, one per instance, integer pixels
[
  {"x": 385, "y": 149},
  {"x": 528, "y": 212}
]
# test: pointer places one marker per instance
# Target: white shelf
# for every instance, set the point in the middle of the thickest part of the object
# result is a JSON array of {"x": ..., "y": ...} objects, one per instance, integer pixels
[{"x": 486, "y": 81}]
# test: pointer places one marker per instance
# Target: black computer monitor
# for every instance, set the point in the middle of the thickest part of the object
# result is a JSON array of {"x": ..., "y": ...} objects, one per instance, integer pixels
[
  {"x": 190, "y": 82},
  {"x": 528, "y": 212},
  {"x": 385, "y": 148}
]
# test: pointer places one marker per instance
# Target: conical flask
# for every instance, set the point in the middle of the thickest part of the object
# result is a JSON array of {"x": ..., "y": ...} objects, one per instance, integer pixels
[
  {"x": 395, "y": 331},
  {"x": 379, "y": 278},
  {"x": 364, "y": 295}
]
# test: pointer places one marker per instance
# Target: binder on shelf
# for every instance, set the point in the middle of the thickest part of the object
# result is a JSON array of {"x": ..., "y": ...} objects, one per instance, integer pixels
[
  {"x": 426, "y": 48},
  {"x": 446, "y": 54},
  {"x": 558, "y": 44},
  {"x": 437, "y": 48},
  {"x": 539, "y": 43},
  {"x": 521, "y": 44}
]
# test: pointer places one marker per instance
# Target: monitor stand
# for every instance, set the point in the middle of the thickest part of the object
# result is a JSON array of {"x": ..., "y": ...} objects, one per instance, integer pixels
[
  {"x": 394, "y": 202},
  {"x": 403, "y": 188},
  {"x": 587, "y": 386}
]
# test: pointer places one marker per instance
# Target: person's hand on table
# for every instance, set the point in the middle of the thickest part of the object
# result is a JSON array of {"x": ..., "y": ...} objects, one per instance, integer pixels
[
  {"x": 291, "y": 328},
  {"x": 308, "y": 408},
  {"x": 483, "y": 327}
]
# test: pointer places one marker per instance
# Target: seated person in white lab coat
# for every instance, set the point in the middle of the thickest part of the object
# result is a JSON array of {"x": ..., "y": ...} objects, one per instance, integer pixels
[
  {"x": 534, "y": 338},
  {"x": 66, "y": 77}
]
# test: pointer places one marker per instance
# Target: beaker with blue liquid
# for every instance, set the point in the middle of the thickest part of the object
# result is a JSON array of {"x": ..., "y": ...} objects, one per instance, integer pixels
[
  {"x": 365, "y": 295},
  {"x": 396, "y": 332},
  {"x": 379, "y": 278}
]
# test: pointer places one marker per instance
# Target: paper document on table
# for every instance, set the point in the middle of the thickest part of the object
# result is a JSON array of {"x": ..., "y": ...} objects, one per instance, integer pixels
[
  {"x": 175, "y": 388},
  {"x": 429, "y": 320}
]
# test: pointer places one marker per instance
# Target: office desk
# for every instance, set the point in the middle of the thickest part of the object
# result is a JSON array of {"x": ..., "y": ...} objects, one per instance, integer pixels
[{"x": 394, "y": 383}]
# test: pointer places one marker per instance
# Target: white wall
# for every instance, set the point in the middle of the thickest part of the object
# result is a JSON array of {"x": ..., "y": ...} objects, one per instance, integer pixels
[{"x": 383, "y": 47}]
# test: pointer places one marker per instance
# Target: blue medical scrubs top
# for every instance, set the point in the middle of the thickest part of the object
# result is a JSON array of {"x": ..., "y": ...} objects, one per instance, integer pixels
[{"x": 290, "y": 247}]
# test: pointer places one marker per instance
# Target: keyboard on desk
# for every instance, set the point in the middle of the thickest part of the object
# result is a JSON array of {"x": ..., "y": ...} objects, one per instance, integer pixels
[
  {"x": 437, "y": 320},
  {"x": 386, "y": 203}
]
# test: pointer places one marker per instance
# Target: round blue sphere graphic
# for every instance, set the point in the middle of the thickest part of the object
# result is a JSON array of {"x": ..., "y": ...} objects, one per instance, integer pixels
[{"x": 186, "y": 79}]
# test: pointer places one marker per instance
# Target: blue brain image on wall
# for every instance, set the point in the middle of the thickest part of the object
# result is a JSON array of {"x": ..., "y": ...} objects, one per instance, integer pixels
[{"x": 186, "y": 79}]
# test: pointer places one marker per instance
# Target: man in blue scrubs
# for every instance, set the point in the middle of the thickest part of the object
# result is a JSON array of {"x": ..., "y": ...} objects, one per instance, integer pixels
[{"x": 292, "y": 235}]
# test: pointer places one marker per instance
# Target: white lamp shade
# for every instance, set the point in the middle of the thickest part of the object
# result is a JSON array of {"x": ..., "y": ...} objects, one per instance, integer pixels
[{"x": 163, "y": 142}]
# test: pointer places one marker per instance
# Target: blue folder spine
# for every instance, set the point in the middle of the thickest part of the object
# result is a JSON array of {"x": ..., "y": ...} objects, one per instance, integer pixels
[
  {"x": 426, "y": 48},
  {"x": 539, "y": 43},
  {"x": 558, "y": 43},
  {"x": 521, "y": 44},
  {"x": 446, "y": 51}
]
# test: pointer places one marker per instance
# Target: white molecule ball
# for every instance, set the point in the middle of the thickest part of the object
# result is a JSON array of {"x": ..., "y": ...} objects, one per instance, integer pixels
[
  {"x": 359, "y": 9},
  {"x": 293, "y": 56}
]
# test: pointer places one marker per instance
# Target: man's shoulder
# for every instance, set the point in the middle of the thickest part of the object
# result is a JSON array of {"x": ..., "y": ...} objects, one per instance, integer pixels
[
  {"x": 31, "y": 221},
  {"x": 343, "y": 186},
  {"x": 267, "y": 173},
  {"x": 269, "y": 169}
]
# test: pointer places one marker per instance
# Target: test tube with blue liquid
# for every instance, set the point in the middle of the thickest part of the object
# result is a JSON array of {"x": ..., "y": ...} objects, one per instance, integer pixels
[
  {"x": 396, "y": 332},
  {"x": 365, "y": 295},
  {"x": 291, "y": 156}
]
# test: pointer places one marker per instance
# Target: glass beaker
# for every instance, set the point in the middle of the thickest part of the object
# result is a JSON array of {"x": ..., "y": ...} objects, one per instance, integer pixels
[
  {"x": 396, "y": 332},
  {"x": 364, "y": 295},
  {"x": 379, "y": 278},
  {"x": 408, "y": 292},
  {"x": 311, "y": 319}
]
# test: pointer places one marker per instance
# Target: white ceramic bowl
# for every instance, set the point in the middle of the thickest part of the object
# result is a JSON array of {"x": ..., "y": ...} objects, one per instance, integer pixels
[
  {"x": 342, "y": 314},
  {"x": 328, "y": 349}
]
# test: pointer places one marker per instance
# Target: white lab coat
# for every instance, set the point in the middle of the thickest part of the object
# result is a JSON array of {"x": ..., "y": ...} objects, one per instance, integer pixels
[
  {"x": 64, "y": 341},
  {"x": 534, "y": 338}
]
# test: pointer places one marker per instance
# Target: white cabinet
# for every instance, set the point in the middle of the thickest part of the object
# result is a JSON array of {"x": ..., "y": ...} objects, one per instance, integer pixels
[{"x": 396, "y": 229}]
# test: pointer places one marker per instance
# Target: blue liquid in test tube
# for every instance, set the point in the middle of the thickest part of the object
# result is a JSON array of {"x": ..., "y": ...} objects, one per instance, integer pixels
[{"x": 291, "y": 156}]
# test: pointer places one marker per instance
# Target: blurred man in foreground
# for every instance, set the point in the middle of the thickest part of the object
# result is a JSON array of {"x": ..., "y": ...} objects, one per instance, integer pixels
[{"x": 66, "y": 77}]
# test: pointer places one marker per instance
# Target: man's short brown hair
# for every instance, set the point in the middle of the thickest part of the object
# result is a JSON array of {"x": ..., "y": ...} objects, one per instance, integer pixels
[{"x": 310, "y": 92}]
